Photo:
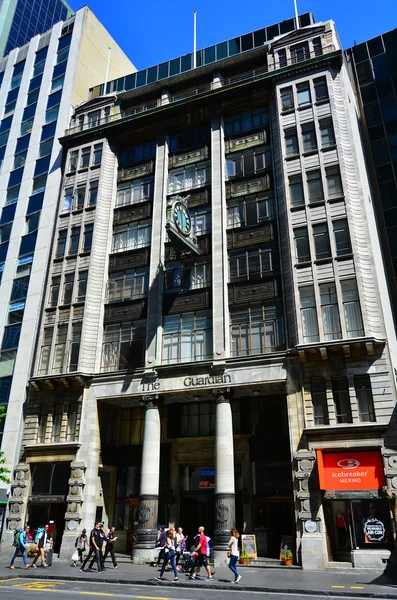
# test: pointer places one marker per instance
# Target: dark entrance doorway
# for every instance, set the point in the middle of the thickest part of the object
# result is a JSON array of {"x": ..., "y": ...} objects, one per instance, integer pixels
[
  {"x": 40, "y": 513},
  {"x": 196, "y": 509}
]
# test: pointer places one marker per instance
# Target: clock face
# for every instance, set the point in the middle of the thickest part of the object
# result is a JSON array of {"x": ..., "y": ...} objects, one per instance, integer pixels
[{"x": 182, "y": 218}]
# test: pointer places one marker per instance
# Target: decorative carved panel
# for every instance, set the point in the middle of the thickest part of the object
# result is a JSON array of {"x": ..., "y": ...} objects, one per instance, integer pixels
[
  {"x": 255, "y": 139},
  {"x": 186, "y": 302},
  {"x": 241, "y": 188},
  {"x": 132, "y": 213},
  {"x": 245, "y": 237},
  {"x": 129, "y": 260},
  {"x": 242, "y": 294},
  {"x": 187, "y": 158},
  {"x": 117, "y": 313},
  {"x": 134, "y": 172},
  {"x": 203, "y": 244}
]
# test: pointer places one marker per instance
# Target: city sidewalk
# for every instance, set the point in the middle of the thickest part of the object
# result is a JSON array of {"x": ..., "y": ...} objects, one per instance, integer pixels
[{"x": 330, "y": 582}]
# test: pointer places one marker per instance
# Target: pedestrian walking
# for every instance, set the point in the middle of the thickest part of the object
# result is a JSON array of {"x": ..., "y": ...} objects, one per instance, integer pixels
[
  {"x": 160, "y": 543},
  {"x": 180, "y": 544},
  {"x": 102, "y": 539},
  {"x": 111, "y": 537},
  {"x": 21, "y": 540},
  {"x": 41, "y": 541},
  {"x": 233, "y": 554},
  {"x": 202, "y": 561},
  {"x": 82, "y": 545},
  {"x": 170, "y": 554},
  {"x": 95, "y": 545}
]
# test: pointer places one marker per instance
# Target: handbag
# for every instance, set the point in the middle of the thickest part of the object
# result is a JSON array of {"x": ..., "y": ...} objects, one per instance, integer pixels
[
  {"x": 75, "y": 555},
  {"x": 229, "y": 554}
]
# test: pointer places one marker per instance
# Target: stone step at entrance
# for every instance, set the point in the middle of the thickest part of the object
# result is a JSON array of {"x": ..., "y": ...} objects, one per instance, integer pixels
[{"x": 266, "y": 563}]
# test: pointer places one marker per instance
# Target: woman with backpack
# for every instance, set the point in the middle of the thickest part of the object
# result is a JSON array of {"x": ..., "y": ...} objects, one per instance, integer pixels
[{"x": 20, "y": 542}]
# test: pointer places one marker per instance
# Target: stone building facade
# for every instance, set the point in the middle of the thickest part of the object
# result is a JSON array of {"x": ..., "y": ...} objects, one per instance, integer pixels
[{"x": 214, "y": 378}]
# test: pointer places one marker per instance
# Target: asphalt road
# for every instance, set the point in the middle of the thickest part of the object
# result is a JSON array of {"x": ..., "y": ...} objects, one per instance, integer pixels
[{"x": 72, "y": 590}]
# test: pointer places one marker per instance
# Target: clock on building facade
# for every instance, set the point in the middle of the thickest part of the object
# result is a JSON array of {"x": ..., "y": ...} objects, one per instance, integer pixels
[{"x": 179, "y": 224}]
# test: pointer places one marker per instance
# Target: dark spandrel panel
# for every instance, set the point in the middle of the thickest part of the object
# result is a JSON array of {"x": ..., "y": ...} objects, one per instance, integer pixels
[
  {"x": 186, "y": 63},
  {"x": 29, "y": 112},
  {"x": 28, "y": 244},
  {"x": 360, "y": 52},
  {"x": 54, "y": 99},
  {"x": 5, "y": 124},
  {"x": 259, "y": 37},
  {"x": 18, "y": 68},
  {"x": 390, "y": 217},
  {"x": 372, "y": 114},
  {"x": 247, "y": 42},
  {"x": 388, "y": 194},
  {"x": 48, "y": 131},
  {"x": 130, "y": 81},
  {"x": 59, "y": 69},
  {"x": 7, "y": 214},
  {"x": 381, "y": 66},
  {"x": 384, "y": 173},
  {"x": 11, "y": 337},
  {"x": 389, "y": 108},
  {"x": 221, "y": 51},
  {"x": 376, "y": 133},
  {"x": 152, "y": 75},
  {"x": 375, "y": 46},
  {"x": 163, "y": 70},
  {"x": 380, "y": 152},
  {"x": 3, "y": 252},
  {"x": 287, "y": 26},
  {"x": 368, "y": 93},
  {"x": 272, "y": 31},
  {"x": 364, "y": 73},
  {"x": 13, "y": 95},
  {"x": 209, "y": 55},
  {"x": 199, "y": 58},
  {"x": 141, "y": 78},
  {"x": 305, "y": 20},
  {"x": 234, "y": 46},
  {"x": 41, "y": 55},
  {"x": 42, "y": 165},
  {"x": 35, "y": 82},
  {"x": 384, "y": 87},
  {"x": 15, "y": 177},
  {"x": 391, "y": 130},
  {"x": 64, "y": 42},
  {"x": 5, "y": 388},
  {"x": 120, "y": 83},
  {"x": 35, "y": 203}
]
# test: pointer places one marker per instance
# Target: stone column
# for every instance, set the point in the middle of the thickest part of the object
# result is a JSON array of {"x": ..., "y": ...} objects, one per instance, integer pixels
[
  {"x": 224, "y": 475},
  {"x": 150, "y": 481}
]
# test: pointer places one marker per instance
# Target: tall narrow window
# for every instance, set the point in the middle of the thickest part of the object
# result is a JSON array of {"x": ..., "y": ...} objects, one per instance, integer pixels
[
  {"x": 327, "y": 133},
  {"x": 319, "y": 402},
  {"x": 97, "y": 154},
  {"x": 57, "y": 422},
  {"x": 82, "y": 286},
  {"x": 74, "y": 349},
  {"x": 302, "y": 249},
  {"x": 321, "y": 241},
  {"x": 54, "y": 291},
  {"x": 315, "y": 186},
  {"x": 309, "y": 315},
  {"x": 330, "y": 312},
  {"x": 60, "y": 349},
  {"x": 287, "y": 98},
  {"x": 282, "y": 58},
  {"x": 365, "y": 401},
  {"x": 79, "y": 197},
  {"x": 340, "y": 391},
  {"x": 46, "y": 350},
  {"x": 187, "y": 337},
  {"x": 309, "y": 138},
  {"x": 303, "y": 92},
  {"x": 74, "y": 240},
  {"x": 73, "y": 160},
  {"x": 85, "y": 158},
  {"x": 342, "y": 237},
  {"x": 72, "y": 421},
  {"x": 67, "y": 200},
  {"x": 291, "y": 142},
  {"x": 300, "y": 52},
  {"x": 334, "y": 182},
  {"x": 61, "y": 244},
  {"x": 351, "y": 307},
  {"x": 320, "y": 89},
  {"x": 88, "y": 230},
  {"x": 93, "y": 194},
  {"x": 68, "y": 288}
]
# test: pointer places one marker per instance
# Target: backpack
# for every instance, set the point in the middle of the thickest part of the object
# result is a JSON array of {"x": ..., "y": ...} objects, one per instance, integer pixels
[
  {"x": 16, "y": 538},
  {"x": 38, "y": 534}
]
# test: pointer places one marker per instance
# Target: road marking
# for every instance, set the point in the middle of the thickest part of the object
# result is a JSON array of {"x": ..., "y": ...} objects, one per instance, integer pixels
[
  {"x": 96, "y": 593},
  {"x": 356, "y": 587},
  {"x": 44, "y": 586},
  {"x": 10, "y": 579},
  {"x": 339, "y": 587},
  {"x": 151, "y": 597}
]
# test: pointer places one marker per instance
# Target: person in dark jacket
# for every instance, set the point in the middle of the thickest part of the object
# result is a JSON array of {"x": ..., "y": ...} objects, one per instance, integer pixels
[
  {"x": 96, "y": 542},
  {"x": 160, "y": 543},
  {"x": 111, "y": 537},
  {"x": 102, "y": 539}
]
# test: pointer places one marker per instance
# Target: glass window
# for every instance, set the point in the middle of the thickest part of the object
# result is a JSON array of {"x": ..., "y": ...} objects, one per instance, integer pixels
[
  {"x": 250, "y": 210},
  {"x": 82, "y": 286},
  {"x": 246, "y": 120},
  {"x": 320, "y": 89},
  {"x": 78, "y": 198},
  {"x": 88, "y": 231},
  {"x": 201, "y": 220},
  {"x": 93, "y": 193},
  {"x": 94, "y": 118},
  {"x": 321, "y": 241},
  {"x": 62, "y": 55},
  {"x": 54, "y": 291},
  {"x": 319, "y": 401},
  {"x": 334, "y": 182},
  {"x": 315, "y": 186},
  {"x": 250, "y": 263},
  {"x": 61, "y": 245},
  {"x": 317, "y": 46},
  {"x": 130, "y": 284},
  {"x": 137, "y": 190},
  {"x": 51, "y": 115},
  {"x": 309, "y": 137},
  {"x": 38, "y": 68},
  {"x": 9, "y": 108},
  {"x": 342, "y": 237},
  {"x": 60, "y": 349},
  {"x": 26, "y": 127},
  {"x": 287, "y": 98},
  {"x": 20, "y": 159},
  {"x": 365, "y": 401},
  {"x": 22, "y": 143},
  {"x": 340, "y": 391},
  {"x": 15, "y": 313},
  {"x": 39, "y": 184},
  {"x": 131, "y": 236},
  {"x": 11, "y": 337},
  {"x": 85, "y": 158},
  {"x": 309, "y": 315},
  {"x": 46, "y": 148},
  {"x": 5, "y": 232},
  {"x": 257, "y": 329},
  {"x": 282, "y": 58},
  {"x": 68, "y": 288},
  {"x": 302, "y": 249},
  {"x": 352, "y": 310},
  {"x": 300, "y": 52},
  {"x": 296, "y": 190},
  {"x": 97, "y": 154},
  {"x": 327, "y": 133},
  {"x": 46, "y": 350},
  {"x": 291, "y": 142},
  {"x": 32, "y": 223},
  {"x": 303, "y": 93},
  {"x": 123, "y": 346},
  {"x": 73, "y": 160},
  {"x": 189, "y": 177},
  {"x": 74, "y": 349},
  {"x": 330, "y": 312},
  {"x": 74, "y": 240},
  {"x": 57, "y": 84},
  {"x": 67, "y": 200},
  {"x": 187, "y": 337},
  {"x": 234, "y": 167}
]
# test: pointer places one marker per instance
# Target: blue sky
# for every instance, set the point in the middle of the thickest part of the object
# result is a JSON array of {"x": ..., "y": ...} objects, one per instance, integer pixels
[{"x": 152, "y": 32}]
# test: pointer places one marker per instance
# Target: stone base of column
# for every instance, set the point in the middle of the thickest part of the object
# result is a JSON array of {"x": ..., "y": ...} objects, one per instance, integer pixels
[
  {"x": 224, "y": 521},
  {"x": 147, "y": 523},
  {"x": 142, "y": 556}
]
